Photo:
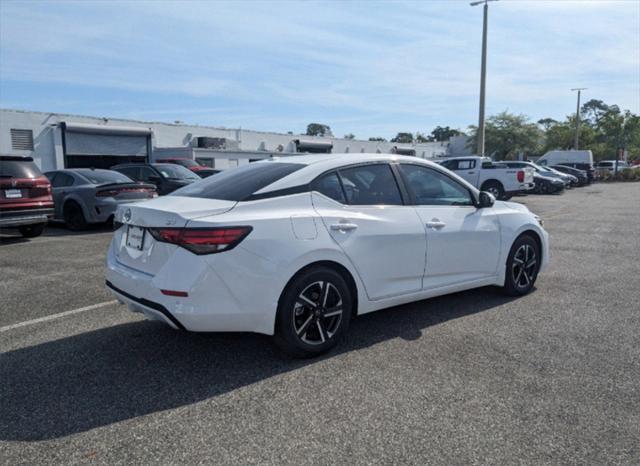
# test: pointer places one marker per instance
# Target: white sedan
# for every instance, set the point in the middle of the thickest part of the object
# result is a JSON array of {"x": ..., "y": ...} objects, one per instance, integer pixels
[{"x": 297, "y": 246}]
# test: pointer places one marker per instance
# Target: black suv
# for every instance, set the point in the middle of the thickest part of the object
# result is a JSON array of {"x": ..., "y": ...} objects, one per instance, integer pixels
[{"x": 166, "y": 176}]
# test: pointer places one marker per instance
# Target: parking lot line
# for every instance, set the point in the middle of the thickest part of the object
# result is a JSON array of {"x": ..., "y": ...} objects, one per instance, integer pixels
[{"x": 57, "y": 316}]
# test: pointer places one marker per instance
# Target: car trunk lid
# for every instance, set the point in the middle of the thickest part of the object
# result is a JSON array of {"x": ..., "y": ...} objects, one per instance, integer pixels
[{"x": 137, "y": 249}]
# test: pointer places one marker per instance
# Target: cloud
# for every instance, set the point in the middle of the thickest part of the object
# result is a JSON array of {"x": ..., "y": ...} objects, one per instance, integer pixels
[{"x": 360, "y": 67}]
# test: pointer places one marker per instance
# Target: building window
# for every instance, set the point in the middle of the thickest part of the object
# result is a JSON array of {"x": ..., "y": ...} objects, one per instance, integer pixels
[{"x": 21, "y": 139}]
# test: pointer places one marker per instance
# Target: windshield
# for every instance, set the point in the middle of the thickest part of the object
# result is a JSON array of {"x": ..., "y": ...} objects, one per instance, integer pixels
[
  {"x": 104, "y": 176},
  {"x": 238, "y": 184},
  {"x": 176, "y": 172}
]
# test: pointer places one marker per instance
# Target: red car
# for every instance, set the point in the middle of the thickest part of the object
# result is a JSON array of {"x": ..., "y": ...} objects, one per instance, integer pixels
[
  {"x": 201, "y": 170},
  {"x": 25, "y": 196}
]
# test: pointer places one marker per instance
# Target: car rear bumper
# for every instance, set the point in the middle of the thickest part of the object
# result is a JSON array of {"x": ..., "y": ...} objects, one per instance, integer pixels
[
  {"x": 16, "y": 218},
  {"x": 214, "y": 302}
]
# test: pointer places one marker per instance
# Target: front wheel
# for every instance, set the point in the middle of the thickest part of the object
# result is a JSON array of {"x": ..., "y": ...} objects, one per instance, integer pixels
[
  {"x": 522, "y": 266},
  {"x": 313, "y": 313}
]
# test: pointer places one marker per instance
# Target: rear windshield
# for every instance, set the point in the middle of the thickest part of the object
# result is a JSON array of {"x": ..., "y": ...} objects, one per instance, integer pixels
[
  {"x": 238, "y": 184},
  {"x": 11, "y": 167},
  {"x": 175, "y": 172},
  {"x": 104, "y": 176}
]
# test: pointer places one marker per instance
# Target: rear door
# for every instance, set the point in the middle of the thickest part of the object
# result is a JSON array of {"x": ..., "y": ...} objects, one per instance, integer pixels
[
  {"x": 363, "y": 211},
  {"x": 463, "y": 242}
]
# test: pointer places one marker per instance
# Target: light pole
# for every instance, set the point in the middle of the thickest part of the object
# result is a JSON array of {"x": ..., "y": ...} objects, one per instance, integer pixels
[
  {"x": 483, "y": 75},
  {"x": 575, "y": 141}
]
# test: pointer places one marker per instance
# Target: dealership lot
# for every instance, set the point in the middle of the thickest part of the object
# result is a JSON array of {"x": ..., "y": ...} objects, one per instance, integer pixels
[{"x": 472, "y": 377}]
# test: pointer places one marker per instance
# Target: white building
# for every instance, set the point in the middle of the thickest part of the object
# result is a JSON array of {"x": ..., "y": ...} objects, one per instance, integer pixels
[{"x": 67, "y": 141}]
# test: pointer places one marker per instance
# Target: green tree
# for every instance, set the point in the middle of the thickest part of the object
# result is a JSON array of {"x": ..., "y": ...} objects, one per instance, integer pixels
[
  {"x": 403, "y": 138},
  {"x": 318, "y": 129},
  {"x": 378, "y": 139},
  {"x": 507, "y": 135},
  {"x": 420, "y": 138},
  {"x": 547, "y": 123},
  {"x": 444, "y": 133},
  {"x": 349, "y": 136}
]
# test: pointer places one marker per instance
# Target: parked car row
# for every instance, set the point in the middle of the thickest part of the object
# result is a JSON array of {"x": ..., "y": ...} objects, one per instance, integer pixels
[{"x": 82, "y": 196}]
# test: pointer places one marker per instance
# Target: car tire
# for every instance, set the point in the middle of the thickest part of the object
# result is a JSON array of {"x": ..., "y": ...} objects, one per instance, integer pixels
[
  {"x": 314, "y": 312},
  {"x": 495, "y": 188},
  {"x": 523, "y": 264},
  {"x": 31, "y": 231},
  {"x": 73, "y": 216}
]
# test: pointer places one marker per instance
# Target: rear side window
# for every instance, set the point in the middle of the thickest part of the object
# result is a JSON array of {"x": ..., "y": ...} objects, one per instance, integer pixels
[
  {"x": 466, "y": 164},
  {"x": 329, "y": 185},
  {"x": 131, "y": 172},
  {"x": 14, "y": 167},
  {"x": 62, "y": 180},
  {"x": 238, "y": 184},
  {"x": 370, "y": 185}
]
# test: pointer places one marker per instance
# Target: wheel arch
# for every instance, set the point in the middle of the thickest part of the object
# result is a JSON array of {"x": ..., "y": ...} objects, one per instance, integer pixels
[
  {"x": 536, "y": 237},
  {"x": 492, "y": 181},
  {"x": 339, "y": 268}
]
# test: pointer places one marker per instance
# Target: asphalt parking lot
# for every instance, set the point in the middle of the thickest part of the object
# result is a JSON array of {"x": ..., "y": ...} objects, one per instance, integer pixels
[{"x": 474, "y": 377}]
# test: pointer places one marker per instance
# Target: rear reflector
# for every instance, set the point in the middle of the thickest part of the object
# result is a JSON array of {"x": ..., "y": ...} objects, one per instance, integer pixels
[
  {"x": 520, "y": 176},
  {"x": 202, "y": 240},
  {"x": 180, "y": 294}
]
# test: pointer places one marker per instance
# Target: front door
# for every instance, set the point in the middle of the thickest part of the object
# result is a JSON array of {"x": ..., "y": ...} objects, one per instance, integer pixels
[
  {"x": 384, "y": 239},
  {"x": 463, "y": 242}
]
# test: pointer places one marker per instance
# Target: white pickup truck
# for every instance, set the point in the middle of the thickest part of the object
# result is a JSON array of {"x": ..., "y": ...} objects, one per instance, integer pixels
[{"x": 500, "y": 180}]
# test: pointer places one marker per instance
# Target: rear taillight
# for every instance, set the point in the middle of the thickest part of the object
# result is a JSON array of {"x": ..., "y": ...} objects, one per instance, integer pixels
[
  {"x": 202, "y": 240},
  {"x": 110, "y": 193},
  {"x": 520, "y": 176}
]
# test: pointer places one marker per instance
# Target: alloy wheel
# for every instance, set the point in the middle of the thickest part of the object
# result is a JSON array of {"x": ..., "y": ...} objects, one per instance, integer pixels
[
  {"x": 523, "y": 268},
  {"x": 317, "y": 313}
]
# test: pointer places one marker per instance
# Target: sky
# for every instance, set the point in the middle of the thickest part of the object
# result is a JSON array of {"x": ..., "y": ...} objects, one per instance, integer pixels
[{"x": 370, "y": 68}]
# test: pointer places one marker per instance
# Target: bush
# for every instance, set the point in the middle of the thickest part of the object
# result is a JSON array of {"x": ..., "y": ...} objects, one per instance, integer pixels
[{"x": 626, "y": 174}]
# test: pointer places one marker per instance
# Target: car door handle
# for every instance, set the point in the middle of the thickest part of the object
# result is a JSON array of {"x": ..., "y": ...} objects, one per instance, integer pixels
[
  {"x": 436, "y": 224},
  {"x": 343, "y": 226},
  {"x": 470, "y": 173}
]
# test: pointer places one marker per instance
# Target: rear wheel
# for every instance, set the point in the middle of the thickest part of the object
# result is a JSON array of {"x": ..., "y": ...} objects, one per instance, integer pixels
[
  {"x": 523, "y": 265},
  {"x": 31, "y": 231},
  {"x": 313, "y": 313},
  {"x": 74, "y": 217},
  {"x": 495, "y": 188}
]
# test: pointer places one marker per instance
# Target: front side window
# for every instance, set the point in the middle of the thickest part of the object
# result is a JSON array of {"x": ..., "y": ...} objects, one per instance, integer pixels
[
  {"x": 238, "y": 184},
  {"x": 370, "y": 185},
  {"x": 430, "y": 187},
  {"x": 329, "y": 185}
]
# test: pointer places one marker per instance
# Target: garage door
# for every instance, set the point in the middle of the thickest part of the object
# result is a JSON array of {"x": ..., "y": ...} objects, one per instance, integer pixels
[{"x": 102, "y": 146}]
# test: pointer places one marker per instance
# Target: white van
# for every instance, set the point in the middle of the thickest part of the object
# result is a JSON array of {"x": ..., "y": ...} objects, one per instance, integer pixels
[{"x": 561, "y": 157}]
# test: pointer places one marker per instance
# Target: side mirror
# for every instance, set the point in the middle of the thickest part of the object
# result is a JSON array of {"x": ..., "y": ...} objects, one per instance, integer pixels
[{"x": 486, "y": 200}]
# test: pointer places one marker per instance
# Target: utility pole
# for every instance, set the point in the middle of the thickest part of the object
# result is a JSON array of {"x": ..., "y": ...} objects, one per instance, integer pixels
[
  {"x": 576, "y": 140},
  {"x": 483, "y": 75}
]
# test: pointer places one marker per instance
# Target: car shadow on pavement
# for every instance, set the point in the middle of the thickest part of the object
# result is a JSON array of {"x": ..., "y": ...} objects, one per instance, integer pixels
[{"x": 97, "y": 378}]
